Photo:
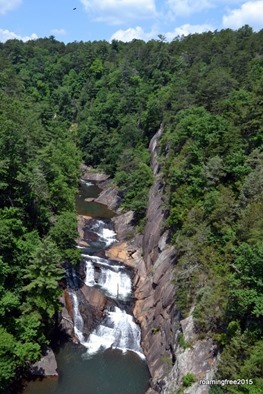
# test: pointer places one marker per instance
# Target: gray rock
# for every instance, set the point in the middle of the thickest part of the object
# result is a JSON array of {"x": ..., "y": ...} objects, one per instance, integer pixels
[
  {"x": 88, "y": 173},
  {"x": 199, "y": 360},
  {"x": 47, "y": 366},
  {"x": 123, "y": 226},
  {"x": 155, "y": 308},
  {"x": 109, "y": 195}
]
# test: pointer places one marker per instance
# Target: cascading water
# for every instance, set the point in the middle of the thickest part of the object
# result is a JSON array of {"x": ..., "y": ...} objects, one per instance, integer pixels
[
  {"x": 78, "y": 321},
  {"x": 117, "y": 331},
  {"x": 116, "y": 284},
  {"x": 106, "y": 235},
  {"x": 90, "y": 274},
  {"x": 111, "y": 278}
]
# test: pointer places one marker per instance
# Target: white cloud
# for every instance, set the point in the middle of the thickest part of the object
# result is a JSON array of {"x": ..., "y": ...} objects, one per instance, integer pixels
[
  {"x": 133, "y": 32},
  {"x": 8, "y": 5},
  {"x": 187, "y": 29},
  {"x": 119, "y": 11},
  {"x": 9, "y": 35},
  {"x": 250, "y": 13},
  {"x": 59, "y": 32},
  {"x": 188, "y": 7},
  {"x": 138, "y": 33}
]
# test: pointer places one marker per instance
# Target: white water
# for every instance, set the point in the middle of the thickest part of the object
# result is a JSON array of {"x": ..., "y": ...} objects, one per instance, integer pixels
[
  {"x": 87, "y": 183},
  {"x": 89, "y": 279},
  {"x": 102, "y": 262},
  {"x": 117, "y": 284},
  {"x": 111, "y": 278},
  {"x": 117, "y": 331},
  {"x": 78, "y": 321},
  {"x": 106, "y": 235}
]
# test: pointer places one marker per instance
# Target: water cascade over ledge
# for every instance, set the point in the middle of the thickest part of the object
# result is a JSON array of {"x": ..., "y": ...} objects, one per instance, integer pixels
[
  {"x": 118, "y": 329},
  {"x": 108, "y": 358}
]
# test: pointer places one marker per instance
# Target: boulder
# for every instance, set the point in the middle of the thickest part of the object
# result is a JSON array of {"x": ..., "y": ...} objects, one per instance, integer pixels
[
  {"x": 109, "y": 195},
  {"x": 123, "y": 253},
  {"x": 95, "y": 298},
  {"x": 89, "y": 174},
  {"x": 123, "y": 226},
  {"x": 46, "y": 366}
]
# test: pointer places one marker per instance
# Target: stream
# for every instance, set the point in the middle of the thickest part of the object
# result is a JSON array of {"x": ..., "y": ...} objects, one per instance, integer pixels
[{"x": 110, "y": 360}]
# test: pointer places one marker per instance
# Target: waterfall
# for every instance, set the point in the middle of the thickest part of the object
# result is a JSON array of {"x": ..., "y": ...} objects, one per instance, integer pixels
[
  {"x": 112, "y": 278},
  {"x": 117, "y": 331},
  {"x": 116, "y": 284},
  {"x": 87, "y": 183},
  {"x": 89, "y": 279},
  {"x": 107, "y": 235},
  {"x": 78, "y": 321},
  {"x": 100, "y": 261}
]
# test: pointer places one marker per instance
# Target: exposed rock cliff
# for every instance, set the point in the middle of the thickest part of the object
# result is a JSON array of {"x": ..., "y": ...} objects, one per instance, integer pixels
[{"x": 156, "y": 308}]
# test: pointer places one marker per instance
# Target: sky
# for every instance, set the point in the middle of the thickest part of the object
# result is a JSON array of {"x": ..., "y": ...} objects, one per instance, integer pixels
[{"x": 123, "y": 19}]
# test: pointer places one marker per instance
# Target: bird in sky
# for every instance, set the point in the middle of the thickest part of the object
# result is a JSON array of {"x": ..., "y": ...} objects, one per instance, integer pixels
[{"x": 74, "y": 8}]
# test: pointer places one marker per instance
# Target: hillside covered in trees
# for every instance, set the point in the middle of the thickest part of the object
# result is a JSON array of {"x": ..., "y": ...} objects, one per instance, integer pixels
[{"x": 101, "y": 103}]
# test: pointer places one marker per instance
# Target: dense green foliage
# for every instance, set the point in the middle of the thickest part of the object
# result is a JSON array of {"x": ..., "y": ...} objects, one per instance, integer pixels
[
  {"x": 39, "y": 171},
  {"x": 109, "y": 100},
  {"x": 213, "y": 171}
]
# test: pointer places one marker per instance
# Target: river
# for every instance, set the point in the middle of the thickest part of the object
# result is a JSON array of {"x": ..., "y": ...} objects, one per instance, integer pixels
[{"x": 110, "y": 360}]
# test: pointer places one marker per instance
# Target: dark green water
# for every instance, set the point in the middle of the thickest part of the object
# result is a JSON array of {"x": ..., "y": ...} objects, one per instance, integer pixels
[
  {"x": 92, "y": 209},
  {"x": 107, "y": 372}
]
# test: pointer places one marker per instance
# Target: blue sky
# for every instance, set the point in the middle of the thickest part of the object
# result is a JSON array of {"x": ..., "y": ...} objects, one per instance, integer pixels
[{"x": 123, "y": 19}]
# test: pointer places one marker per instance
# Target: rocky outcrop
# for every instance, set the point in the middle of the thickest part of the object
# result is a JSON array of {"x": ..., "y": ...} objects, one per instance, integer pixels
[
  {"x": 109, "y": 195},
  {"x": 156, "y": 309},
  {"x": 96, "y": 300},
  {"x": 123, "y": 226},
  {"x": 88, "y": 173},
  {"x": 66, "y": 316},
  {"x": 82, "y": 221},
  {"x": 123, "y": 253},
  {"x": 45, "y": 367},
  {"x": 91, "y": 306},
  {"x": 198, "y": 357}
]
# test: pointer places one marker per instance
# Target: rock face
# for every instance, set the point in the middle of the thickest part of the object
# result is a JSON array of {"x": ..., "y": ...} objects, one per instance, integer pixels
[
  {"x": 82, "y": 220},
  {"x": 198, "y": 358},
  {"x": 91, "y": 305},
  {"x": 66, "y": 316},
  {"x": 88, "y": 173},
  {"x": 109, "y": 195},
  {"x": 156, "y": 310},
  {"x": 45, "y": 367},
  {"x": 96, "y": 299}
]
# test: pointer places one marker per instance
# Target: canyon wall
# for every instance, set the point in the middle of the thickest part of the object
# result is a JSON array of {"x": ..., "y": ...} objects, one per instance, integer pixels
[{"x": 156, "y": 309}]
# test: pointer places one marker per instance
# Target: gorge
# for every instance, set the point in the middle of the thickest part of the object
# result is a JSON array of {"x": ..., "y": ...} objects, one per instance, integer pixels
[{"x": 107, "y": 284}]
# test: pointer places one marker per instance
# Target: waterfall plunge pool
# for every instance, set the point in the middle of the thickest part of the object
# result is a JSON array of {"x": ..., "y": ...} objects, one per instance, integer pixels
[{"x": 107, "y": 372}]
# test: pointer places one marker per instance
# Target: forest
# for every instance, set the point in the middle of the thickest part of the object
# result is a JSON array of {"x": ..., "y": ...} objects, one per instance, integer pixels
[{"x": 100, "y": 103}]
